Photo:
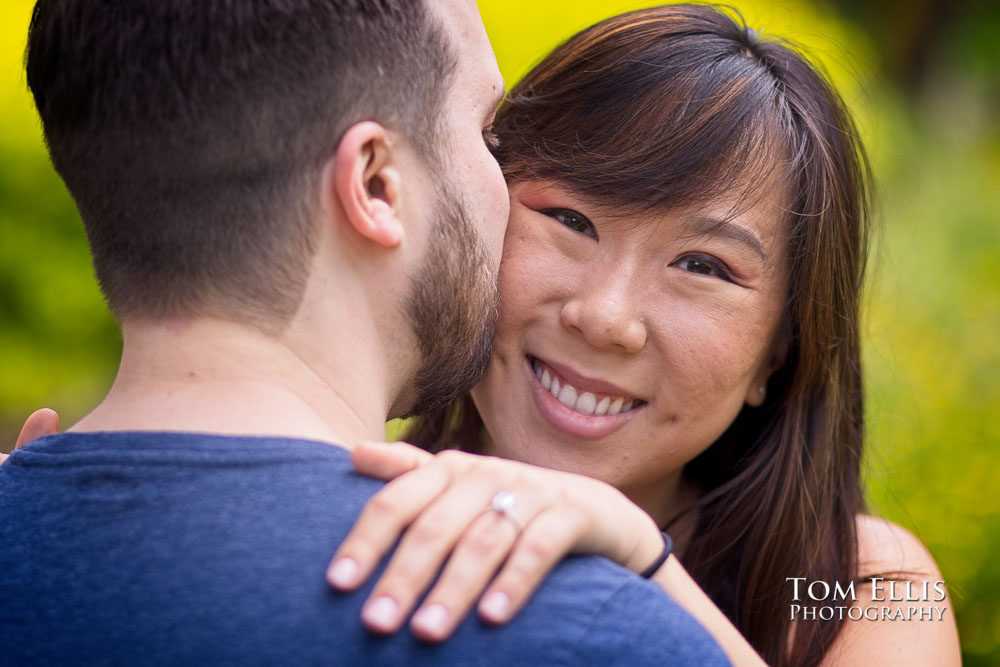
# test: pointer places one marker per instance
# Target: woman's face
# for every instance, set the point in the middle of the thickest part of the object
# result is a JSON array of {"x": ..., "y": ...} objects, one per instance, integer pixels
[{"x": 627, "y": 344}]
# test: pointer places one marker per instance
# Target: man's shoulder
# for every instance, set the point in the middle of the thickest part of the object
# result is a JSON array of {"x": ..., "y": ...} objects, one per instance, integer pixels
[
  {"x": 607, "y": 615},
  {"x": 213, "y": 536},
  {"x": 221, "y": 495},
  {"x": 188, "y": 474},
  {"x": 64, "y": 457}
]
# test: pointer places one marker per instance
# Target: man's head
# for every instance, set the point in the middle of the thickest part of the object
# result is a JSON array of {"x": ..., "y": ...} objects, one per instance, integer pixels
[{"x": 195, "y": 135}]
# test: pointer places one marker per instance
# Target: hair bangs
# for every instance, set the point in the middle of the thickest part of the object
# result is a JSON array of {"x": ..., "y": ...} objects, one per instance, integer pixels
[{"x": 666, "y": 126}]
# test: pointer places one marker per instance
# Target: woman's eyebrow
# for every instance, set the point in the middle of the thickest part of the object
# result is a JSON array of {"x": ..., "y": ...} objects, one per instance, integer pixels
[{"x": 700, "y": 225}]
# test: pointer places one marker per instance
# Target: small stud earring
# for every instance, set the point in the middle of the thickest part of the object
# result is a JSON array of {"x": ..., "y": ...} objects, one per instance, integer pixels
[{"x": 761, "y": 389}]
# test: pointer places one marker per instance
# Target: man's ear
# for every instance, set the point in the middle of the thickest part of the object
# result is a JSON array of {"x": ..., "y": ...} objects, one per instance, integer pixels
[{"x": 367, "y": 183}]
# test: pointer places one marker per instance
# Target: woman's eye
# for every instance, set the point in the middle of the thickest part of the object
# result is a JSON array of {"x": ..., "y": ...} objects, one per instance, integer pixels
[
  {"x": 705, "y": 266},
  {"x": 575, "y": 221}
]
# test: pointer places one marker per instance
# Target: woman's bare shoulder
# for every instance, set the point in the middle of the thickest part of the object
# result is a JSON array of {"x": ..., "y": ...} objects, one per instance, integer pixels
[
  {"x": 888, "y": 625},
  {"x": 885, "y": 548}
]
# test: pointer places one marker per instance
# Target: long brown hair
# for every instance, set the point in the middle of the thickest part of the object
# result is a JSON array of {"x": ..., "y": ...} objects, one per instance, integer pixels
[{"x": 671, "y": 106}]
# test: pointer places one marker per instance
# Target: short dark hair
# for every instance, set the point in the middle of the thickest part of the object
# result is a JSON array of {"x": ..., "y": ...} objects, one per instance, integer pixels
[{"x": 191, "y": 133}]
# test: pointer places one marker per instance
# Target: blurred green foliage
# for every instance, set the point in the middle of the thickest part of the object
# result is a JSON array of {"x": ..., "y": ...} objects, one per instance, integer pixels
[
  {"x": 926, "y": 98},
  {"x": 58, "y": 346}
]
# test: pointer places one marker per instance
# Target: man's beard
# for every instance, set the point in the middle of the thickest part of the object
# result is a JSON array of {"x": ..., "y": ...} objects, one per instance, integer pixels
[{"x": 453, "y": 307}]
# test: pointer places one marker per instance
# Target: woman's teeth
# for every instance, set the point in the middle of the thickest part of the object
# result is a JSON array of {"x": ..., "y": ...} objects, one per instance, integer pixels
[{"x": 583, "y": 402}]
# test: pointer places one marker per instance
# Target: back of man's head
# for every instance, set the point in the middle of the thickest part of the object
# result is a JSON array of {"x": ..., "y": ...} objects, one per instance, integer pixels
[{"x": 191, "y": 134}]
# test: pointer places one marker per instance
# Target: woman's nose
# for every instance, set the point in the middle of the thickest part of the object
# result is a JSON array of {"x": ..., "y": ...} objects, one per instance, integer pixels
[{"x": 606, "y": 319}]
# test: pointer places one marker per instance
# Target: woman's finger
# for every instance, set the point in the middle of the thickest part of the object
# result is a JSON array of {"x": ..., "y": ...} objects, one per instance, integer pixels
[
  {"x": 40, "y": 422},
  {"x": 425, "y": 547},
  {"x": 552, "y": 534},
  {"x": 388, "y": 460},
  {"x": 382, "y": 521},
  {"x": 474, "y": 562}
]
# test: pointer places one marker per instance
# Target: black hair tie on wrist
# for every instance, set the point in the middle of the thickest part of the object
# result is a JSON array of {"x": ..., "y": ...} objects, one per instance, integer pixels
[{"x": 668, "y": 546}]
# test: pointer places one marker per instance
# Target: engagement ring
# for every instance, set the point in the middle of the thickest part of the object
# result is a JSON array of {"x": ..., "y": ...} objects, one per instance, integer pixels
[{"x": 503, "y": 503}]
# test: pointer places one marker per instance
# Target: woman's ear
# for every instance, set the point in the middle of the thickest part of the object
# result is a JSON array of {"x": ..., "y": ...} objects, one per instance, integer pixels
[
  {"x": 758, "y": 392},
  {"x": 366, "y": 181},
  {"x": 776, "y": 358}
]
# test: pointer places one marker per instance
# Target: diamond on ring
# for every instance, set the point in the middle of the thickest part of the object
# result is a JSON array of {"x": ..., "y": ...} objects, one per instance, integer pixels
[{"x": 503, "y": 503}]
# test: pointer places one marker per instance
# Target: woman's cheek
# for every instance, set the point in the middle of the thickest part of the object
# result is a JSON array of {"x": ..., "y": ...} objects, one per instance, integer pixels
[
  {"x": 713, "y": 351},
  {"x": 528, "y": 279}
]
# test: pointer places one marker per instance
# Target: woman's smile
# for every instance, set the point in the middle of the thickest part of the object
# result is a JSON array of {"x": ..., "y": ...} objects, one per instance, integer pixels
[{"x": 583, "y": 407}]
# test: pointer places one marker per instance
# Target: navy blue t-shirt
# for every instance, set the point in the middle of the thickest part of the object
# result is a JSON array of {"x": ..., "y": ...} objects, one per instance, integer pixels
[{"x": 190, "y": 549}]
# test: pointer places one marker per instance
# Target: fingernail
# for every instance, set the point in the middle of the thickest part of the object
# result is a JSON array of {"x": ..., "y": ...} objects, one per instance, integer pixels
[
  {"x": 431, "y": 620},
  {"x": 343, "y": 573},
  {"x": 495, "y": 607},
  {"x": 381, "y": 614}
]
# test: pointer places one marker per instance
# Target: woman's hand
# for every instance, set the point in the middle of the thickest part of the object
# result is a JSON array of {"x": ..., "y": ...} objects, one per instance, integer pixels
[{"x": 441, "y": 507}]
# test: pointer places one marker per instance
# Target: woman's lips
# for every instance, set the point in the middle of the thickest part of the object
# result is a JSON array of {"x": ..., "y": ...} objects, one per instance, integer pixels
[
  {"x": 585, "y": 414},
  {"x": 582, "y": 382},
  {"x": 590, "y": 397}
]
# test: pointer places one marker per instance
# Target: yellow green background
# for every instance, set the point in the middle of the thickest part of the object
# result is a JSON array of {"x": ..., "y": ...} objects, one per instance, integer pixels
[{"x": 924, "y": 80}]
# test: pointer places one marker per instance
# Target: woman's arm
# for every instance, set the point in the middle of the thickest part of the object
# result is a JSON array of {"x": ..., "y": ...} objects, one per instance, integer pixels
[
  {"x": 675, "y": 580},
  {"x": 930, "y": 638},
  {"x": 439, "y": 505}
]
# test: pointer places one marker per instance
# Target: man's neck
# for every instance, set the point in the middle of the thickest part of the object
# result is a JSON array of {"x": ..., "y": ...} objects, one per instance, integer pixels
[{"x": 219, "y": 377}]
